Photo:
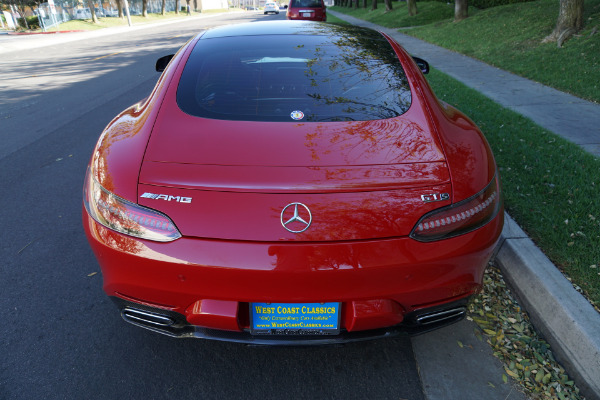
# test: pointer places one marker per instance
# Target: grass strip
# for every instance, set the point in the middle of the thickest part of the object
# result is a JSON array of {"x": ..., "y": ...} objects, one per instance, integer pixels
[
  {"x": 335, "y": 20},
  {"x": 550, "y": 185}
]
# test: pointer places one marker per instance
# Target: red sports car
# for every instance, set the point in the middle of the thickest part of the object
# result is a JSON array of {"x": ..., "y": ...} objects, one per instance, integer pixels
[{"x": 292, "y": 182}]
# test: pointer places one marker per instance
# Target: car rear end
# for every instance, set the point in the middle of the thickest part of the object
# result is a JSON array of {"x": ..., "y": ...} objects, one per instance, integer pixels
[
  {"x": 271, "y": 7},
  {"x": 308, "y": 10},
  {"x": 254, "y": 200}
]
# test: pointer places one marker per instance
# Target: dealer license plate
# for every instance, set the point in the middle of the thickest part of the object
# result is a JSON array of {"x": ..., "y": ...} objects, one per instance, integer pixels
[{"x": 294, "y": 318}]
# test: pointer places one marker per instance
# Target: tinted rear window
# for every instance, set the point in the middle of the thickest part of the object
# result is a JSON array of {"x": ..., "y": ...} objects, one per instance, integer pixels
[
  {"x": 294, "y": 78},
  {"x": 306, "y": 3}
]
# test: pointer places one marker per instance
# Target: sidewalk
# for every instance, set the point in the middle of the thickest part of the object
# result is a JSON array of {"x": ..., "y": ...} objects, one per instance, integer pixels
[{"x": 563, "y": 316}]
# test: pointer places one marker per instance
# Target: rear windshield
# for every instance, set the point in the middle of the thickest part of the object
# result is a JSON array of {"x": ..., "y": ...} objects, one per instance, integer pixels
[
  {"x": 306, "y": 3},
  {"x": 294, "y": 78}
]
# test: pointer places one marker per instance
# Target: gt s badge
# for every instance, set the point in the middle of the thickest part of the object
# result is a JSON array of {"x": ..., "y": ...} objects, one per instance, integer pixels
[
  {"x": 178, "y": 199},
  {"x": 428, "y": 198}
]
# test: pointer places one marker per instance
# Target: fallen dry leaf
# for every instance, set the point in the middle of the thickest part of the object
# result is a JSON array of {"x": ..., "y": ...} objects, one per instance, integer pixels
[{"x": 527, "y": 358}]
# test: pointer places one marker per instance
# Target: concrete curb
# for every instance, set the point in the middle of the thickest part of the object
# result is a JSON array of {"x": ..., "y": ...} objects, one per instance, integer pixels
[{"x": 563, "y": 316}]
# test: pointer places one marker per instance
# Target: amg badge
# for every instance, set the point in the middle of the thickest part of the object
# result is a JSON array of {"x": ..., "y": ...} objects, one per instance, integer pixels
[{"x": 166, "y": 197}]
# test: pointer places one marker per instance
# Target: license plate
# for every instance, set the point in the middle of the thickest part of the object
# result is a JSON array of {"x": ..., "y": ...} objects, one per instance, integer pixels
[
  {"x": 306, "y": 15},
  {"x": 294, "y": 318}
]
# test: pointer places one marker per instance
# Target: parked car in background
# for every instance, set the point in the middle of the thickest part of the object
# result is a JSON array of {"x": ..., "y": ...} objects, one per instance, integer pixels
[
  {"x": 271, "y": 7},
  {"x": 111, "y": 13},
  {"x": 83, "y": 13},
  {"x": 310, "y": 10}
]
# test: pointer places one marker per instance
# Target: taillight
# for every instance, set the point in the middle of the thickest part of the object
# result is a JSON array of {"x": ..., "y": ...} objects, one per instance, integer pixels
[
  {"x": 125, "y": 217},
  {"x": 460, "y": 218}
]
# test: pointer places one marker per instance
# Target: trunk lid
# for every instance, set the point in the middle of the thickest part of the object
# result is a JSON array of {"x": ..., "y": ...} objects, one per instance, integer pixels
[{"x": 233, "y": 180}]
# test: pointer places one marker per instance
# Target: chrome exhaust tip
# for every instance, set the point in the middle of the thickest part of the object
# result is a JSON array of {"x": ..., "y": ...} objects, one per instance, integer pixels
[
  {"x": 137, "y": 316},
  {"x": 439, "y": 316}
]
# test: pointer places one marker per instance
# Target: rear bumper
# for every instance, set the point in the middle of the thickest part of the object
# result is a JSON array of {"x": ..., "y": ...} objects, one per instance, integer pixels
[
  {"x": 384, "y": 286},
  {"x": 175, "y": 325},
  {"x": 296, "y": 16}
]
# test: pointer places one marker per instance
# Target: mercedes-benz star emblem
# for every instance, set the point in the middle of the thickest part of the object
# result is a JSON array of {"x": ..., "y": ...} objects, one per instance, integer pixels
[{"x": 297, "y": 222}]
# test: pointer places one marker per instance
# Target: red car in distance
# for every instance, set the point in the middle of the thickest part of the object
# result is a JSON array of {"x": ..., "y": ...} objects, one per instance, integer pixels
[
  {"x": 304, "y": 188},
  {"x": 308, "y": 10}
]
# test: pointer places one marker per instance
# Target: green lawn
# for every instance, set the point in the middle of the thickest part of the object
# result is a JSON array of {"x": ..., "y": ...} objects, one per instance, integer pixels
[{"x": 335, "y": 20}]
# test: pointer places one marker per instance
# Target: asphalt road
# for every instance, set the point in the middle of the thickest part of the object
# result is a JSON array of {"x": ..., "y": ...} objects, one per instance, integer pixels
[{"x": 60, "y": 336}]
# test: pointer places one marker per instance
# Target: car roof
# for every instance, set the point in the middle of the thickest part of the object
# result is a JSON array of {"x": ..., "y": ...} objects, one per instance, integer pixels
[{"x": 287, "y": 28}]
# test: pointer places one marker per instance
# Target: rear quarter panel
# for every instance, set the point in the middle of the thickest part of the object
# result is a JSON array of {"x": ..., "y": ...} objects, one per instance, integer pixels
[
  {"x": 468, "y": 154},
  {"x": 118, "y": 155}
]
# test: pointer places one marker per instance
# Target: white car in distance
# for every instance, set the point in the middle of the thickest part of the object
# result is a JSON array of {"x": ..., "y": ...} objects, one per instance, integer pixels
[{"x": 271, "y": 7}]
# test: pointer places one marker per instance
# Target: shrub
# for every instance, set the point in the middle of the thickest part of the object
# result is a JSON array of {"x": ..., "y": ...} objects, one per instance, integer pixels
[{"x": 33, "y": 22}]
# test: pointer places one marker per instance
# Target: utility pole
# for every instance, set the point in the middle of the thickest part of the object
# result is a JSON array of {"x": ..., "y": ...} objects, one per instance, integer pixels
[{"x": 127, "y": 12}]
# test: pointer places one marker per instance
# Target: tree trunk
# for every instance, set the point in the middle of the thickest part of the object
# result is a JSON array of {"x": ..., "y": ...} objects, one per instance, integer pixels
[
  {"x": 356, "y": 4},
  {"x": 177, "y": 7},
  {"x": 163, "y": 8},
  {"x": 364, "y": 3},
  {"x": 21, "y": 10},
  {"x": 412, "y": 7},
  {"x": 145, "y": 8},
  {"x": 461, "y": 10},
  {"x": 388, "y": 5},
  {"x": 570, "y": 21},
  {"x": 120, "y": 9},
  {"x": 92, "y": 11},
  {"x": 374, "y": 5}
]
